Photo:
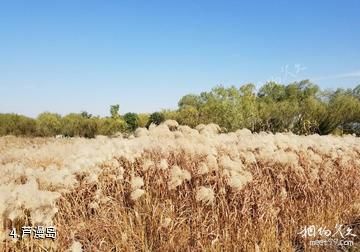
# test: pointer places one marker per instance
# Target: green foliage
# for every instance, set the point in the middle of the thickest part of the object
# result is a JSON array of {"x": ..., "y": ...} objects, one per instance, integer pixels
[
  {"x": 48, "y": 124},
  {"x": 78, "y": 125},
  {"x": 132, "y": 121},
  {"x": 156, "y": 118},
  {"x": 343, "y": 108},
  {"x": 189, "y": 100},
  {"x": 300, "y": 107},
  {"x": 143, "y": 119},
  {"x": 109, "y": 126},
  {"x": 272, "y": 92},
  {"x": 188, "y": 116},
  {"x": 356, "y": 92},
  {"x": 170, "y": 114},
  {"x": 114, "y": 111},
  {"x": 86, "y": 114},
  {"x": 231, "y": 108},
  {"x": 351, "y": 128},
  {"x": 17, "y": 125}
]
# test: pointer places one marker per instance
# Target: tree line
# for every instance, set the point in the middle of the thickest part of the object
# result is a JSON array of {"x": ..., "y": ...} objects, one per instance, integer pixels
[
  {"x": 300, "y": 107},
  {"x": 76, "y": 124}
]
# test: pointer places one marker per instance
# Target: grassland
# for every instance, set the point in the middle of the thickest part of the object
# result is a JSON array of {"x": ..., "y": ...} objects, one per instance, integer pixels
[{"x": 173, "y": 188}]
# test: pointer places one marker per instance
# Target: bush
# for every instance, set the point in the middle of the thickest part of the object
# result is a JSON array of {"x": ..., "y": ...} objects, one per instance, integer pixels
[
  {"x": 156, "y": 118},
  {"x": 109, "y": 126},
  {"x": 132, "y": 121},
  {"x": 48, "y": 124},
  {"x": 17, "y": 125},
  {"x": 143, "y": 119},
  {"x": 77, "y": 125}
]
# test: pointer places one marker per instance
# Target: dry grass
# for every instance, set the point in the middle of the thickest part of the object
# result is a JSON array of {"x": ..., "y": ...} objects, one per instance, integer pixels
[{"x": 265, "y": 189}]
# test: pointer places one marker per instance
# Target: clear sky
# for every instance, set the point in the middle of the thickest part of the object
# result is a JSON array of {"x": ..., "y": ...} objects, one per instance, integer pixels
[{"x": 68, "y": 56}]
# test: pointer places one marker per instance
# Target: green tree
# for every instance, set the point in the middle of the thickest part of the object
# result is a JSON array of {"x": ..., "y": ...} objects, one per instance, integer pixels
[
  {"x": 86, "y": 114},
  {"x": 248, "y": 106},
  {"x": 356, "y": 91},
  {"x": 18, "y": 125},
  {"x": 189, "y": 100},
  {"x": 76, "y": 125},
  {"x": 156, "y": 118},
  {"x": 143, "y": 119},
  {"x": 114, "y": 111},
  {"x": 48, "y": 124},
  {"x": 188, "y": 115},
  {"x": 132, "y": 121},
  {"x": 272, "y": 91},
  {"x": 343, "y": 108},
  {"x": 109, "y": 126}
]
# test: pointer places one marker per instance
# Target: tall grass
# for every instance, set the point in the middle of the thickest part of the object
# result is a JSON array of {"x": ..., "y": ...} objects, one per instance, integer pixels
[{"x": 184, "y": 190}]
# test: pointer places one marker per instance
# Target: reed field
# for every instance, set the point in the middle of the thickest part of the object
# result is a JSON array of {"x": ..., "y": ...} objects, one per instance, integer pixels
[{"x": 175, "y": 188}]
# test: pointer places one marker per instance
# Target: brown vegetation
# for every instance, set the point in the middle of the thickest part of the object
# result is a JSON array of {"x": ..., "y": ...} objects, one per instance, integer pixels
[{"x": 180, "y": 190}]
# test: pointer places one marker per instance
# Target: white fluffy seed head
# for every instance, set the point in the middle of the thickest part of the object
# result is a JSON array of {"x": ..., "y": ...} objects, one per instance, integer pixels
[
  {"x": 135, "y": 195},
  {"x": 231, "y": 165},
  {"x": 209, "y": 129},
  {"x": 243, "y": 132},
  {"x": 141, "y": 132},
  {"x": 203, "y": 169},
  {"x": 166, "y": 222},
  {"x": 171, "y": 124},
  {"x": 212, "y": 163},
  {"x": 76, "y": 247},
  {"x": 147, "y": 164},
  {"x": 205, "y": 195},
  {"x": 163, "y": 164},
  {"x": 92, "y": 178},
  {"x": 238, "y": 181},
  {"x": 283, "y": 193},
  {"x": 136, "y": 183},
  {"x": 93, "y": 205},
  {"x": 24, "y": 186},
  {"x": 177, "y": 176}
]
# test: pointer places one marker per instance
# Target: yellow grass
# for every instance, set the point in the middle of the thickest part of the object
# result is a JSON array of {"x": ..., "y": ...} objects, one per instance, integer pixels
[{"x": 179, "y": 190}]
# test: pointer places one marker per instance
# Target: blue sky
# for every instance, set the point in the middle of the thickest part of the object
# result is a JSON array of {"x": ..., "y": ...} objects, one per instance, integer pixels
[{"x": 68, "y": 56}]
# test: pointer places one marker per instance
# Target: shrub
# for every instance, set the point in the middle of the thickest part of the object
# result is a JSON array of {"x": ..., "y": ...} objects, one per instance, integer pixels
[
  {"x": 156, "y": 118},
  {"x": 143, "y": 119},
  {"x": 48, "y": 124},
  {"x": 77, "y": 125},
  {"x": 132, "y": 121},
  {"x": 18, "y": 125},
  {"x": 109, "y": 126}
]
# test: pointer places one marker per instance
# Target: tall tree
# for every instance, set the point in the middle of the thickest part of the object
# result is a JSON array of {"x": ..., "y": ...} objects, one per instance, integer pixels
[{"x": 114, "y": 111}]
